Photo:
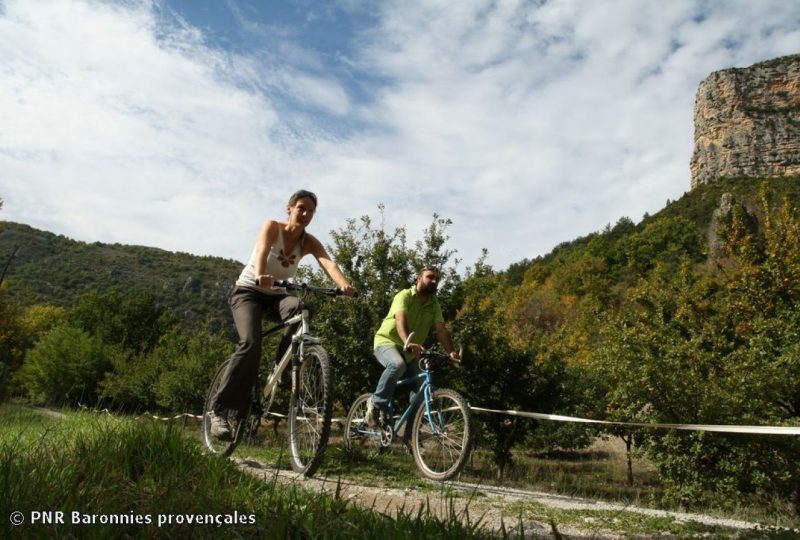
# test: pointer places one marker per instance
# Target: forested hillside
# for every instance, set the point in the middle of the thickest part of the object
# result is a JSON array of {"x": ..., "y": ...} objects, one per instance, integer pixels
[{"x": 55, "y": 270}]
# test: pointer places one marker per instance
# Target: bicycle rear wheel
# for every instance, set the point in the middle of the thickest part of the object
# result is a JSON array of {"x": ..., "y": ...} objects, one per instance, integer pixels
[
  {"x": 441, "y": 440},
  {"x": 357, "y": 434},
  {"x": 310, "y": 410},
  {"x": 236, "y": 421}
]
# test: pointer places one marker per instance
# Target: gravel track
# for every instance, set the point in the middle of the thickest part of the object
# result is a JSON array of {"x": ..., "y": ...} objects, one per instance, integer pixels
[{"x": 483, "y": 503}]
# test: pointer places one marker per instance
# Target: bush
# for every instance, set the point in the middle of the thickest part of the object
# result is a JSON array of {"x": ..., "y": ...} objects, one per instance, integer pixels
[
  {"x": 130, "y": 384},
  {"x": 65, "y": 367},
  {"x": 192, "y": 361},
  {"x": 173, "y": 377}
]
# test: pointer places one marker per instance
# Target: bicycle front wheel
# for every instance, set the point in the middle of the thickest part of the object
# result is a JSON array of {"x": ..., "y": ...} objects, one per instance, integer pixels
[
  {"x": 310, "y": 410},
  {"x": 442, "y": 436}
]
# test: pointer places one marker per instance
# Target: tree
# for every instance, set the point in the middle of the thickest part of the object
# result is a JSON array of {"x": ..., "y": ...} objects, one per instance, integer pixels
[
  {"x": 378, "y": 263},
  {"x": 694, "y": 348},
  {"x": 189, "y": 361},
  {"x": 135, "y": 322},
  {"x": 174, "y": 376},
  {"x": 20, "y": 328},
  {"x": 65, "y": 367},
  {"x": 496, "y": 375}
]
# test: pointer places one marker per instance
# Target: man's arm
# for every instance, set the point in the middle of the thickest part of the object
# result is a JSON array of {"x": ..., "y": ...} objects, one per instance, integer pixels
[
  {"x": 446, "y": 341},
  {"x": 402, "y": 331}
]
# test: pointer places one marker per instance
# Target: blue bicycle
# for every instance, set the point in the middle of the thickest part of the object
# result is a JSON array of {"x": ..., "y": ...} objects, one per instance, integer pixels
[{"x": 442, "y": 426}]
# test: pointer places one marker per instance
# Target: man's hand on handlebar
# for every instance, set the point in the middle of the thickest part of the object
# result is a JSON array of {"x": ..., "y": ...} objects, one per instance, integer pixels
[
  {"x": 455, "y": 358},
  {"x": 416, "y": 349},
  {"x": 348, "y": 291}
]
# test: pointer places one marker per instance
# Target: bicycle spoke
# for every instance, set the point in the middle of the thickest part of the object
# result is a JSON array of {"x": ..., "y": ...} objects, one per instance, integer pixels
[
  {"x": 442, "y": 435},
  {"x": 358, "y": 433},
  {"x": 310, "y": 412}
]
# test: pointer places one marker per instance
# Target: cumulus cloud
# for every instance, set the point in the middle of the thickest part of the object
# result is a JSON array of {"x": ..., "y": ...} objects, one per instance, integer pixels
[
  {"x": 111, "y": 121},
  {"x": 527, "y": 123},
  {"x": 539, "y": 123}
]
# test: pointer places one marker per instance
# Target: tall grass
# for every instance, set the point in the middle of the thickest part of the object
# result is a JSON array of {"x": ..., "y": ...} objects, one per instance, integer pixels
[{"x": 92, "y": 468}]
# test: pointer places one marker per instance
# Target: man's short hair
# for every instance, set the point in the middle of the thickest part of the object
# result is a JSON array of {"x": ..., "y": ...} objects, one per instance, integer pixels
[{"x": 429, "y": 267}]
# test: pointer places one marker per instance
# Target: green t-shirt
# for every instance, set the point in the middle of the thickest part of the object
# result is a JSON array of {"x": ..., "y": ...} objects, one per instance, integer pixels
[{"x": 421, "y": 318}]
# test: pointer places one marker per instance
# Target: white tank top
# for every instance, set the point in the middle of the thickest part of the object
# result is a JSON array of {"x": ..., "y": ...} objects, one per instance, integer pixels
[{"x": 280, "y": 265}]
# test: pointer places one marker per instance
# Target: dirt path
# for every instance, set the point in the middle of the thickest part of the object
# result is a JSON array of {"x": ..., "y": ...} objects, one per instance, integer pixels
[{"x": 487, "y": 504}]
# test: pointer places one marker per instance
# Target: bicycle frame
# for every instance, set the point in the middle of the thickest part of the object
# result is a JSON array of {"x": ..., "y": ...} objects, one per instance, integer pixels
[
  {"x": 294, "y": 352},
  {"x": 422, "y": 396}
]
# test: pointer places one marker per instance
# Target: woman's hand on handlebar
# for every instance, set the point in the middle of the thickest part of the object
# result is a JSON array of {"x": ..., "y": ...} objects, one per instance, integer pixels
[
  {"x": 265, "y": 281},
  {"x": 349, "y": 290}
]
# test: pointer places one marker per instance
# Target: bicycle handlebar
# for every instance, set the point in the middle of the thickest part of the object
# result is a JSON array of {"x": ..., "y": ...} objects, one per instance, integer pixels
[
  {"x": 430, "y": 359},
  {"x": 327, "y": 291}
]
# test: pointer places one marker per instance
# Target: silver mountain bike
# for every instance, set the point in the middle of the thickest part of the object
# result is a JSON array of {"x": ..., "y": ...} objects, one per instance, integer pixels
[{"x": 310, "y": 402}]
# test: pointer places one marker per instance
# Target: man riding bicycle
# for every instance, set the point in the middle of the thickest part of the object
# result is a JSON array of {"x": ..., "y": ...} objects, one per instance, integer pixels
[{"x": 414, "y": 310}]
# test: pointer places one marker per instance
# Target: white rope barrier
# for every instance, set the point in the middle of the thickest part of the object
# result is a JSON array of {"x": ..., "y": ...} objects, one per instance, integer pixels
[
  {"x": 147, "y": 414},
  {"x": 763, "y": 430},
  {"x": 753, "y": 430}
]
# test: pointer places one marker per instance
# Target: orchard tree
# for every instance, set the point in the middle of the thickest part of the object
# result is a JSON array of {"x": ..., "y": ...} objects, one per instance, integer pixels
[
  {"x": 65, "y": 367},
  {"x": 135, "y": 321},
  {"x": 496, "y": 374},
  {"x": 379, "y": 263}
]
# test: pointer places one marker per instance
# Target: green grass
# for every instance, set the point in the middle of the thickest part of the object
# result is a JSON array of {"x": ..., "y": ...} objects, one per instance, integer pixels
[
  {"x": 596, "y": 473},
  {"x": 98, "y": 467}
]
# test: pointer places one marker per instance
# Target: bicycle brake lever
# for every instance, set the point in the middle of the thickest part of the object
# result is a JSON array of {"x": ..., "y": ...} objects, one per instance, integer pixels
[{"x": 407, "y": 341}]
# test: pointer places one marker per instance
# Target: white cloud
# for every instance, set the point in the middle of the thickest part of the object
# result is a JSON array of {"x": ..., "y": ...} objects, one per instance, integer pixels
[
  {"x": 527, "y": 124},
  {"x": 111, "y": 128},
  {"x": 555, "y": 120}
]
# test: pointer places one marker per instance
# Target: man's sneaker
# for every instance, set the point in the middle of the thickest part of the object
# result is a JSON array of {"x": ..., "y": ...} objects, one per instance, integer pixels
[
  {"x": 373, "y": 415},
  {"x": 220, "y": 429},
  {"x": 407, "y": 445}
]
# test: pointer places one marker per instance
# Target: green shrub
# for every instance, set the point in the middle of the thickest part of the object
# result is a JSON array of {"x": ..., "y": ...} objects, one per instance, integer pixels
[
  {"x": 130, "y": 384},
  {"x": 173, "y": 377},
  {"x": 66, "y": 366},
  {"x": 192, "y": 361}
]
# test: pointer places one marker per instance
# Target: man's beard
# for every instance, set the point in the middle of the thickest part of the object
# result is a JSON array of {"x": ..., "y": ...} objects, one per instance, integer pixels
[{"x": 429, "y": 289}]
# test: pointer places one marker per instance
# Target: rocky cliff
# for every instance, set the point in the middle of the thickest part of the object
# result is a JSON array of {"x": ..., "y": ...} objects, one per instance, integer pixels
[{"x": 747, "y": 122}]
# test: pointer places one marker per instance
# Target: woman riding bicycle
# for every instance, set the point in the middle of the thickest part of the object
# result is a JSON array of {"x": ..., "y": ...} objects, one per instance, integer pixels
[
  {"x": 276, "y": 256},
  {"x": 413, "y": 310}
]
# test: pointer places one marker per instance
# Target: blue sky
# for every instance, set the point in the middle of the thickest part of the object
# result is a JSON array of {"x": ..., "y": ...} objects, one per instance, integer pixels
[{"x": 184, "y": 124}]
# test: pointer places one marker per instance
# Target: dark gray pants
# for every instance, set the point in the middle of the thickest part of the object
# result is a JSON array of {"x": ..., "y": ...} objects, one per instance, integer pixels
[{"x": 249, "y": 307}]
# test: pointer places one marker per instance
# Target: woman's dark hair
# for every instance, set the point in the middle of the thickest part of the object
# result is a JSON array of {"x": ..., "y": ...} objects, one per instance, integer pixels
[{"x": 300, "y": 194}]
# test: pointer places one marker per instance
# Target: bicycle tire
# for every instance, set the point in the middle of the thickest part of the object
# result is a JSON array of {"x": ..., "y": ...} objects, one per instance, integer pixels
[
  {"x": 441, "y": 452},
  {"x": 357, "y": 433},
  {"x": 310, "y": 411},
  {"x": 236, "y": 421}
]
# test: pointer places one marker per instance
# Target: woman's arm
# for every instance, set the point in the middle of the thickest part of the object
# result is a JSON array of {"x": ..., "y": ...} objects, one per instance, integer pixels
[
  {"x": 267, "y": 237},
  {"x": 315, "y": 247}
]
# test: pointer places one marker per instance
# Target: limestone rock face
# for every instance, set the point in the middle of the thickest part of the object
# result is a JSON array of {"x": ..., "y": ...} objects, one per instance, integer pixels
[{"x": 747, "y": 122}]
